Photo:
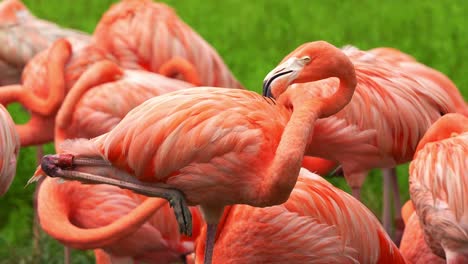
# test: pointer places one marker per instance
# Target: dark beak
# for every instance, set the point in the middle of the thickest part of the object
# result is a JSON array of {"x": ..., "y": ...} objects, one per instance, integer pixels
[{"x": 267, "y": 82}]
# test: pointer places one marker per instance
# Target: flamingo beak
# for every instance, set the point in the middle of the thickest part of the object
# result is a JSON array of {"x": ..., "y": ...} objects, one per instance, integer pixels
[{"x": 283, "y": 75}]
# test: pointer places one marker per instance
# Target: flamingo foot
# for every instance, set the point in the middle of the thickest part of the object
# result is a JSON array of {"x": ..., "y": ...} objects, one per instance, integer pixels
[
  {"x": 210, "y": 241},
  {"x": 62, "y": 165}
]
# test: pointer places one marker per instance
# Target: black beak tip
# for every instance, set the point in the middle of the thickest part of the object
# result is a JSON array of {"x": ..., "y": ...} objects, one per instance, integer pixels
[{"x": 266, "y": 89}]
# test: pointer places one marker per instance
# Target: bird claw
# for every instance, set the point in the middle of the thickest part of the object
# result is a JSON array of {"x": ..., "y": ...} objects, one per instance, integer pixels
[{"x": 182, "y": 212}]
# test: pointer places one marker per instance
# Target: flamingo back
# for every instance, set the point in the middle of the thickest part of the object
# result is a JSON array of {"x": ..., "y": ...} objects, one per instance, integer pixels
[
  {"x": 145, "y": 35},
  {"x": 102, "y": 107},
  {"x": 9, "y": 150},
  {"x": 318, "y": 224},
  {"x": 195, "y": 140},
  {"x": 384, "y": 137}
]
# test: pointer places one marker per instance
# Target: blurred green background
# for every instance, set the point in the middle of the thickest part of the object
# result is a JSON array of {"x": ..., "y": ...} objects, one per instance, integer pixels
[{"x": 252, "y": 37}]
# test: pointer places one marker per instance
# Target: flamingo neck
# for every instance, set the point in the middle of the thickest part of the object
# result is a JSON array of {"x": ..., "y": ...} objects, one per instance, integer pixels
[
  {"x": 333, "y": 104},
  {"x": 180, "y": 66}
]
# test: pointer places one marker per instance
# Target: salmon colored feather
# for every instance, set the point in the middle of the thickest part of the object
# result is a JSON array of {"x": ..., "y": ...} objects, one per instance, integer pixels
[
  {"x": 23, "y": 36},
  {"x": 391, "y": 109},
  {"x": 318, "y": 224},
  {"x": 413, "y": 246},
  {"x": 145, "y": 35},
  {"x": 439, "y": 187},
  {"x": 9, "y": 150},
  {"x": 216, "y": 146}
]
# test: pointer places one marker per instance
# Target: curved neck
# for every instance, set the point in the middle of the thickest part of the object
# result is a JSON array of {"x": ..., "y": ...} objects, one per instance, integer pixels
[
  {"x": 333, "y": 104},
  {"x": 181, "y": 66}
]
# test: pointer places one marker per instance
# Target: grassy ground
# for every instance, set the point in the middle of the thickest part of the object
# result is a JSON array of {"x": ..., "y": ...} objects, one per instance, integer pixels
[{"x": 252, "y": 37}]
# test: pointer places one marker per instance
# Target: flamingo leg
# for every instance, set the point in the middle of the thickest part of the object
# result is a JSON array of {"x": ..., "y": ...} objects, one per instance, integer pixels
[
  {"x": 52, "y": 165},
  {"x": 387, "y": 208},
  {"x": 210, "y": 241},
  {"x": 356, "y": 192},
  {"x": 399, "y": 224},
  {"x": 337, "y": 172}
]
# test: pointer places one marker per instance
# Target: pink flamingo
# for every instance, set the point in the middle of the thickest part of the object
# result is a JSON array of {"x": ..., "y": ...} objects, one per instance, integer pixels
[
  {"x": 23, "y": 35},
  {"x": 127, "y": 226},
  {"x": 144, "y": 35},
  {"x": 439, "y": 187},
  {"x": 317, "y": 224},
  {"x": 9, "y": 150},
  {"x": 233, "y": 146},
  {"x": 368, "y": 133}
]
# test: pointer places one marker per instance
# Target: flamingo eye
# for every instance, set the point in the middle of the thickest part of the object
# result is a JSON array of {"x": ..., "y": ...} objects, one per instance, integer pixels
[{"x": 306, "y": 59}]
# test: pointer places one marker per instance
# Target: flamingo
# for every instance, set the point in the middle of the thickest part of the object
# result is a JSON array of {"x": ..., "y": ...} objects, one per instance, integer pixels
[
  {"x": 208, "y": 146},
  {"x": 23, "y": 35},
  {"x": 144, "y": 35},
  {"x": 89, "y": 114},
  {"x": 125, "y": 225},
  {"x": 369, "y": 132},
  {"x": 413, "y": 247},
  {"x": 9, "y": 150},
  {"x": 439, "y": 187},
  {"x": 317, "y": 224}
]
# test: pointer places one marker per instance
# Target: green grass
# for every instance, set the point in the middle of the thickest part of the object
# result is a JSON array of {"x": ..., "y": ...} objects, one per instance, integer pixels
[{"x": 252, "y": 37}]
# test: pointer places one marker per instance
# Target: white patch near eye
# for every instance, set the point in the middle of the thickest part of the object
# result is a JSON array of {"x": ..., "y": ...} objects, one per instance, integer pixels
[{"x": 306, "y": 59}]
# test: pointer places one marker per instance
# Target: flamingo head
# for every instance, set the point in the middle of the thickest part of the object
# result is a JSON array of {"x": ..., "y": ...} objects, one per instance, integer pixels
[{"x": 310, "y": 62}]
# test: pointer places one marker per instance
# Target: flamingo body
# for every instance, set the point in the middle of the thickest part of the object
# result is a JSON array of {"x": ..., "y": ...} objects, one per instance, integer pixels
[
  {"x": 9, "y": 150},
  {"x": 318, "y": 224},
  {"x": 145, "y": 35},
  {"x": 439, "y": 185}
]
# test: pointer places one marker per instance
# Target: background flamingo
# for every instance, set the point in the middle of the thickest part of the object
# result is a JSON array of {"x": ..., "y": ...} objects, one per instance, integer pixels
[
  {"x": 439, "y": 187},
  {"x": 318, "y": 224},
  {"x": 144, "y": 35},
  {"x": 368, "y": 132},
  {"x": 9, "y": 150},
  {"x": 127, "y": 226},
  {"x": 23, "y": 35}
]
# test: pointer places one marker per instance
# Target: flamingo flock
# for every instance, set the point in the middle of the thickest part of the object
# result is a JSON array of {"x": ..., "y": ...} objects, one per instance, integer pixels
[{"x": 162, "y": 155}]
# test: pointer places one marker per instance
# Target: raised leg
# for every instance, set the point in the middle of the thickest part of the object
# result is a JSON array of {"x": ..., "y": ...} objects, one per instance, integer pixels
[
  {"x": 387, "y": 208},
  {"x": 210, "y": 241},
  {"x": 52, "y": 165}
]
